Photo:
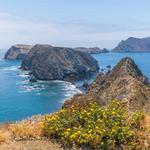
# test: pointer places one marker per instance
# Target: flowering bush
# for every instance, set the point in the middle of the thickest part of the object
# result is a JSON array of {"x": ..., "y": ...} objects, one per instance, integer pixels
[{"x": 95, "y": 127}]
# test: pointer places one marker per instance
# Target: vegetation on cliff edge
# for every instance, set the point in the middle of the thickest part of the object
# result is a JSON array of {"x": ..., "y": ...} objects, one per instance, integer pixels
[
  {"x": 87, "y": 127},
  {"x": 95, "y": 127}
]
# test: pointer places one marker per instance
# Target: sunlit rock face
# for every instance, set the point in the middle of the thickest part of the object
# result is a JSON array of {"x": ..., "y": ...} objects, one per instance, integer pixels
[
  {"x": 125, "y": 82},
  {"x": 18, "y": 51}
]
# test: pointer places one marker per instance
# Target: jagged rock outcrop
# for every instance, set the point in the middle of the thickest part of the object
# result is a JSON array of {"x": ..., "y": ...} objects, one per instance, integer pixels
[
  {"x": 92, "y": 50},
  {"x": 133, "y": 45},
  {"x": 46, "y": 62},
  {"x": 125, "y": 82},
  {"x": 18, "y": 51}
]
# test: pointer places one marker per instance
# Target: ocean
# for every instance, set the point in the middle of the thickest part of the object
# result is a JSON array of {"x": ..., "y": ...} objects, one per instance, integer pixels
[{"x": 20, "y": 99}]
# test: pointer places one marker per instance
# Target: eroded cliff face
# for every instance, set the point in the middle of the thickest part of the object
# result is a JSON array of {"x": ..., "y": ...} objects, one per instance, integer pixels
[
  {"x": 18, "y": 51},
  {"x": 125, "y": 82},
  {"x": 46, "y": 62}
]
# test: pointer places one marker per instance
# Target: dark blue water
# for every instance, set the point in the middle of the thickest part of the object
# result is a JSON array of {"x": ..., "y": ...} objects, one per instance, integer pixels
[{"x": 20, "y": 99}]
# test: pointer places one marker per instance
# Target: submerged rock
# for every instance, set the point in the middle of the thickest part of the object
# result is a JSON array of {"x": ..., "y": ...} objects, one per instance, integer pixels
[
  {"x": 85, "y": 85},
  {"x": 32, "y": 79},
  {"x": 18, "y": 51},
  {"x": 125, "y": 82},
  {"x": 58, "y": 63}
]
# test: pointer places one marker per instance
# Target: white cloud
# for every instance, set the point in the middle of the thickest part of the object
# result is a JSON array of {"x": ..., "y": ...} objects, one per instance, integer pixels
[{"x": 15, "y": 29}]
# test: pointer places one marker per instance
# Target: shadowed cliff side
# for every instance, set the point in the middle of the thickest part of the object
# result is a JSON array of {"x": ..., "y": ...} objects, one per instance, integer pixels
[{"x": 46, "y": 62}]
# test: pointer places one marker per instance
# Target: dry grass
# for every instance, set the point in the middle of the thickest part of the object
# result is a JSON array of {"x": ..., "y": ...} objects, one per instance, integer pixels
[
  {"x": 4, "y": 135},
  {"x": 23, "y": 130},
  {"x": 26, "y": 130},
  {"x": 146, "y": 122},
  {"x": 26, "y": 134},
  {"x": 31, "y": 130}
]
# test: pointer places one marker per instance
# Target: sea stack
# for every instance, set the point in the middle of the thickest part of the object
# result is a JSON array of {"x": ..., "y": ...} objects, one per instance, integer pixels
[
  {"x": 46, "y": 62},
  {"x": 18, "y": 51},
  {"x": 125, "y": 82}
]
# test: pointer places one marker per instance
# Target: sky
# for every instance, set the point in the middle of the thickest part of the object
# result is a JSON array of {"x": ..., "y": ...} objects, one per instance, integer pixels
[{"x": 73, "y": 23}]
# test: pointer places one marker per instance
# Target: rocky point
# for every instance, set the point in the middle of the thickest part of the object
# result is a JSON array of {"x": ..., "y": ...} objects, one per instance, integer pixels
[
  {"x": 18, "y": 51},
  {"x": 125, "y": 82}
]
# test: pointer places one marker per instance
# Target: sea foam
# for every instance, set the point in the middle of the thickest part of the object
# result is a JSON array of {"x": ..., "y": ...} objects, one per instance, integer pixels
[{"x": 11, "y": 68}]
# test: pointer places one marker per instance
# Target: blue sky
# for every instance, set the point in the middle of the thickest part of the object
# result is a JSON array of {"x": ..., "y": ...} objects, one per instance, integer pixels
[{"x": 73, "y": 23}]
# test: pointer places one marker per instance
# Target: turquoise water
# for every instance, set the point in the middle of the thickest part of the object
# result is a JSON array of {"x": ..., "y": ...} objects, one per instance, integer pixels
[
  {"x": 141, "y": 59},
  {"x": 20, "y": 99}
]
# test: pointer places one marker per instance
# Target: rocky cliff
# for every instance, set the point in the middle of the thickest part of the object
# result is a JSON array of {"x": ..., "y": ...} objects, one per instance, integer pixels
[
  {"x": 57, "y": 63},
  {"x": 17, "y": 52},
  {"x": 125, "y": 82},
  {"x": 92, "y": 50},
  {"x": 133, "y": 45}
]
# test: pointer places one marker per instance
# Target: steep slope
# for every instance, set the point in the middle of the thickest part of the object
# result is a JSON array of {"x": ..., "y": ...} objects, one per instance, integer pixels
[
  {"x": 57, "y": 63},
  {"x": 124, "y": 83},
  {"x": 18, "y": 51},
  {"x": 134, "y": 45}
]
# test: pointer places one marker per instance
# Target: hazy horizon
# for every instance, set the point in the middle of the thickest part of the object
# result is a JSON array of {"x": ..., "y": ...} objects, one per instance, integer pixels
[{"x": 86, "y": 23}]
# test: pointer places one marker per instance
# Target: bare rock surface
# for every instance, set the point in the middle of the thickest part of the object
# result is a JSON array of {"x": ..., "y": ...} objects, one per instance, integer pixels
[
  {"x": 46, "y": 62},
  {"x": 18, "y": 51}
]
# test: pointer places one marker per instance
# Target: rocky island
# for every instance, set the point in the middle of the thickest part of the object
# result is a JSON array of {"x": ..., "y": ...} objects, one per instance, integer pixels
[
  {"x": 125, "y": 82},
  {"x": 46, "y": 62},
  {"x": 92, "y": 50},
  {"x": 18, "y": 51},
  {"x": 133, "y": 44}
]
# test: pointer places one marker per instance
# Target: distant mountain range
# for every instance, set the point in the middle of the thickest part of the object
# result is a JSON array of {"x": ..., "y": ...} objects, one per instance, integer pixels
[
  {"x": 92, "y": 50},
  {"x": 133, "y": 44}
]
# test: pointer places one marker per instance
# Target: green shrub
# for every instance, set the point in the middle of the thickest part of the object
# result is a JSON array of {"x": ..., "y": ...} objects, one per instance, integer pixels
[{"x": 95, "y": 127}]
